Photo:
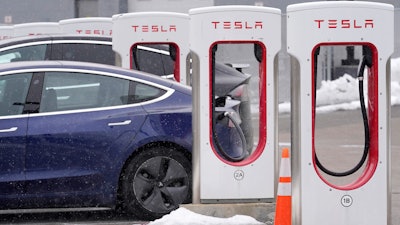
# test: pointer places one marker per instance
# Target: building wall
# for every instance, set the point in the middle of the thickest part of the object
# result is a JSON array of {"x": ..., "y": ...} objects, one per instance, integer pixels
[
  {"x": 26, "y": 11},
  {"x": 22, "y": 11},
  {"x": 180, "y": 6}
]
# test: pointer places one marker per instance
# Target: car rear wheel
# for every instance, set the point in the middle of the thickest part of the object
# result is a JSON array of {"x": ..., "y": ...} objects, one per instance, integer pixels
[{"x": 155, "y": 182}]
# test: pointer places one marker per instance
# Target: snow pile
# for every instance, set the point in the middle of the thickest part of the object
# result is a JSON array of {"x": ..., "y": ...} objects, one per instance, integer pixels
[
  {"x": 339, "y": 94},
  {"x": 343, "y": 89},
  {"x": 183, "y": 216},
  {"x": 395, "y": 72},
  {"x": 342, "y": 93},
  {"x": 395, "y": 93}
]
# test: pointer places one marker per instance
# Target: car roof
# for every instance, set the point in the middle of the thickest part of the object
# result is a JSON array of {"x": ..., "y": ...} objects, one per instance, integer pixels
[
  {"x": 30, "y": 65},
  {"x": 47, "y": 37}
]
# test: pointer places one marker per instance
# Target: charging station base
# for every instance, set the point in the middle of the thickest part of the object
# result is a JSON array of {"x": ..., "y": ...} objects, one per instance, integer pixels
[{"x": 263, "y": 212}]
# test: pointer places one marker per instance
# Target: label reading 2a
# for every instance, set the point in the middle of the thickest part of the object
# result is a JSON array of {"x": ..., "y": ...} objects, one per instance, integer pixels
[{"x": 238, "y": 175}]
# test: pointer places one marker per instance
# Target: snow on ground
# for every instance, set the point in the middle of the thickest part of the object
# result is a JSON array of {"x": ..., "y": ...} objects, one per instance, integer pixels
[
  {"x": 340, "y": 94},
  {"x": 184, "y": 216}
]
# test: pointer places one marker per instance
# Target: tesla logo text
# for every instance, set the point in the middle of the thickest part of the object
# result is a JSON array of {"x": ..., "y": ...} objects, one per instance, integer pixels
[
  {"x": 345, "y": 24},
  {"x": 238, "y": 25},
  {"x": 4, "y": 37},
  {"x": 96, "y": 32},
  {"x": 154, "y": 28}
]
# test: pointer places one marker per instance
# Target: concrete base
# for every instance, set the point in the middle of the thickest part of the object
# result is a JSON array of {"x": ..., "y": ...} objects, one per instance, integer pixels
[{"x": 263, "y": 212}]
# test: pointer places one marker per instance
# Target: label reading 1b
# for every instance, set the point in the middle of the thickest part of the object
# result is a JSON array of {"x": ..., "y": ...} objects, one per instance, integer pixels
[{"x": 347, "y": 200}]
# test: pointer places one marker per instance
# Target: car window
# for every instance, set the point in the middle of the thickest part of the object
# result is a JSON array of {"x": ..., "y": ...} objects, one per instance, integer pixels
[
  {"x": 13, "y": 92},
  {"x": 144, "y": 92},
  {"x": 153, "y": 59},
  {"x": 74, "y": 91},
  {"x": 27, "y": 53},
  {"x": 96, "y": 53}
]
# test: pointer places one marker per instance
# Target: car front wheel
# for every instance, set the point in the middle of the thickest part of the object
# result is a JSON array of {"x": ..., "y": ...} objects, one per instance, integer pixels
[{"x": 155, "y": 182}]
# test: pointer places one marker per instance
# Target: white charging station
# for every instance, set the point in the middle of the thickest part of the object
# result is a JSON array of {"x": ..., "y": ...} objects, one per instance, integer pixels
[
  {"x": 6, "y": 32},
  {"x": 225, "y": 39},
  {"x": 36, "y": 28},
  {"x": 357, "y": 25},
  {"x": 144, "y": 31},
  {"x": 95, "y": 26}
]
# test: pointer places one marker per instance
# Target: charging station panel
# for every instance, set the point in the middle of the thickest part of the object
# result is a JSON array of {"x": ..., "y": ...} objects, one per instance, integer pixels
[
  {"x": 37, "y": 28},
  {"x": 160, "y": 38},
  {"x": 363, "y": 32},
  {"x": 94, "y": 26},
  {"x": 233, "y": 49}
]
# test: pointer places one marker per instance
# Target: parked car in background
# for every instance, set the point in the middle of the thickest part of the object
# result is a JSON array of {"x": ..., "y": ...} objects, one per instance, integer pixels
[
  {"x": 58, "y": 47},
  {"x": 82, "y": 135}
]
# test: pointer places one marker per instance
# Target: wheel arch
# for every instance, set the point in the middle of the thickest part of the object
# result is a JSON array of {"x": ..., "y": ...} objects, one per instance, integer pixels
[{"x": 186, "y": 152}]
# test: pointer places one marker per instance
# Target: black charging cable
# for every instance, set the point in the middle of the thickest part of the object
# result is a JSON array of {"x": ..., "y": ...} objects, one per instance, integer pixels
[
  {"x": 242, "y": 137},
  {"x": 367, "y": 61}
]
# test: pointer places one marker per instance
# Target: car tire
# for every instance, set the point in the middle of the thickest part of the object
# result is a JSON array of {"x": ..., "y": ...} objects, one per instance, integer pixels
[{"x": 155, "y": 182}]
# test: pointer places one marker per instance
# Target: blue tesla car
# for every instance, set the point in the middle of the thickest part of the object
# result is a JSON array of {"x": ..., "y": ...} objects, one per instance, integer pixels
[{"x": 82, "y": 135}]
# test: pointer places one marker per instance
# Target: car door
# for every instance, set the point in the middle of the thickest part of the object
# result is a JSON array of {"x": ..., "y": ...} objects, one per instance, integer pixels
[
  {"x": 78, "y": 139},
  {"x": 13, "y": 124}
]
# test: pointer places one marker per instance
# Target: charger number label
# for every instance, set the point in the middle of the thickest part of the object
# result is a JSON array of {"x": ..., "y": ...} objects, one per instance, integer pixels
[
  {"x": 238, "y": 175},
  {"x": 346, "y": 201}
]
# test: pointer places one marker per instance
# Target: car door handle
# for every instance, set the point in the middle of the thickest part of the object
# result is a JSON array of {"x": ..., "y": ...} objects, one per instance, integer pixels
[
  {"x": 12, "y": 129},
  {"x": 126, "y": 122}
]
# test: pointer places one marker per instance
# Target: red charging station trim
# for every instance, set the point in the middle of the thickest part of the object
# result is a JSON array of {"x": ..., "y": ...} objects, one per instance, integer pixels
[
  {"x": 262, "y": 105},
  {"x": 177, "y": 59},
  {"x": 373, "y": 118}
]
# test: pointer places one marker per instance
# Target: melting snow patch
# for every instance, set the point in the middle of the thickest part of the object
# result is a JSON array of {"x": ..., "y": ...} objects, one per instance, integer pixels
[{"x": 184, "y": 216}]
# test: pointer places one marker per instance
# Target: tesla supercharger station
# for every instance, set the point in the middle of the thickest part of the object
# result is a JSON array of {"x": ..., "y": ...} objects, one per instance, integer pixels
[
  {"x": 233, "y": 49},
  {"x": 160, "y": 38},
  {"x": 36, "y": 28},
  {"x": 360, "y": 36},
  {"x": 95, "y": 26}
]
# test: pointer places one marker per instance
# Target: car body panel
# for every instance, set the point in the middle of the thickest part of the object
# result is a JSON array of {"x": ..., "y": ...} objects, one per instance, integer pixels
[
  {"x": 12, "y": 154},
  {"x": 13, "y": 128},
  {"x": 78, "y": 152}
]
